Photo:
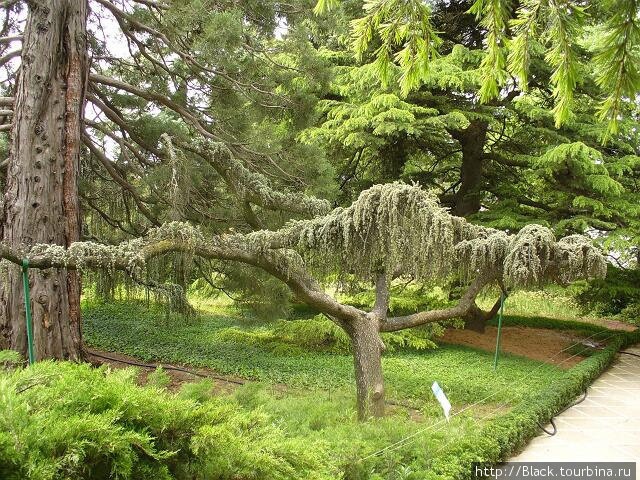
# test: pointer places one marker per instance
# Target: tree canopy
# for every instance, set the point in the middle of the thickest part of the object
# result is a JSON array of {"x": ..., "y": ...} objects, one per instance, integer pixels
[
  {"x": 273, "y": 150},
  {"x": 504, "y": 162},
  {"x": 568, "y": 34}
]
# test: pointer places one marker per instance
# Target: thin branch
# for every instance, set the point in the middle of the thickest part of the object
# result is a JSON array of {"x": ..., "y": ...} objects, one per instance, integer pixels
[
  {"x": 10, "y": 39},
  {"x": 115, "y": 223},
  {"x": 116, "y": 118},
  {"x": 108, "y": 165},
  {"x": 160, "y": 99},
  {"x": 206, "y": 278},
  {"x": 10, "y": 56},
  {"x": 250, "y": 186}
]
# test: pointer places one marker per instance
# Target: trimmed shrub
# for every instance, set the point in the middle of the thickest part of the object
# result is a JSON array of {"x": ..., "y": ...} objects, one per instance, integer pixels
[{"x": 62, "y": 420}]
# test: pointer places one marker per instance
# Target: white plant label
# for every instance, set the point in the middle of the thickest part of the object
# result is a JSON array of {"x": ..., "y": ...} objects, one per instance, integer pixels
[{"x": 442, "y": 399}]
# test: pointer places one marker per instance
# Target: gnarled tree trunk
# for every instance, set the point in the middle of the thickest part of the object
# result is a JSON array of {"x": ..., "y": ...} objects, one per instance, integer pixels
[
  {"x": 41, "y": 199},
  {"x": 367, "y": 356}
]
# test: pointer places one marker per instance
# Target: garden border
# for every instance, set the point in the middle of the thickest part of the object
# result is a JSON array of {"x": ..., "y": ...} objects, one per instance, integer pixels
[{"x": 504, "y": 436}]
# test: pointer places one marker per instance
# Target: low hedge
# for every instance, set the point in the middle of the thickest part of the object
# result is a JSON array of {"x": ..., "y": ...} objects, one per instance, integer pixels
[
  {"x": 504, "y": 436},
  {"x": 549, "y": 323},
  {"x": 67, "y": 421}
]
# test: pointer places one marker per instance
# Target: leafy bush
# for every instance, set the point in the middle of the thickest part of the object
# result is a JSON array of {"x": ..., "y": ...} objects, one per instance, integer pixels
[
  {"x": 617, "y": 294},
  {"x": 9, "y": 358},
  {"x": 317, "y": 333},
  {"x": 297, "y": 337},
  {"x": 631, "y": 313},
  {"x": 404, "y": 300},
  {"x": 68, "y": 421},
  {"x": 320, "y": 333},
  {"x": 159, "y": 378}
]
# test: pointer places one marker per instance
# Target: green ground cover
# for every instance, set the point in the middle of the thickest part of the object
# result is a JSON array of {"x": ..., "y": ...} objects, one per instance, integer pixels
[
  {"x": 309, "y": 393},
  {"x": 230, "y": 346}
]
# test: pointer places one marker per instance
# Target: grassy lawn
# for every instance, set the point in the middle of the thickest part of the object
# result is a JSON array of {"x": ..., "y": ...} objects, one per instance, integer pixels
[{"x": 311, "y": 393}]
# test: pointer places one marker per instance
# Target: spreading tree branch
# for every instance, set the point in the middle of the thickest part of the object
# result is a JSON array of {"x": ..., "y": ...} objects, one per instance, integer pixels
[
  {"x": 251, "y": 186},
  {"x": 531, "y": 257}
]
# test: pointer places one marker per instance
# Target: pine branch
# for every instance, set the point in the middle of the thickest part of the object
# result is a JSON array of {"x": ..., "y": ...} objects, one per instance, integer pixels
[
  {"x": 566, "y": 19},
  {"x": 399, "y": 228},
  {"x": 407, "y": 36},
  {"x": 465, "y": 305},
  {"x": 618, "y": 62},
  {"x": 494, "y": 16},
  {"x": 251, "y": 186},
  {"x": 162, "y": 100},
  {"x": 524, "y": 27}
]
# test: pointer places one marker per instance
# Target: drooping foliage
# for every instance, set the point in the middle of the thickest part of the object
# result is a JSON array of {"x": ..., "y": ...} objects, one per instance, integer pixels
[
  {"x": 617, "y": 58},
  {"x": 563, "y": 31},
  {"x": 505, "y": 163},
  {"x": 394, "y": 228},
  {"x": 402, "y": 230},
  {"x": 407, "y": 37}
]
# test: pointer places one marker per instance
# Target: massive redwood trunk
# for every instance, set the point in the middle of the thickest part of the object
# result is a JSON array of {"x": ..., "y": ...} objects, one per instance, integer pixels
[{"x": 41, "y": 200}]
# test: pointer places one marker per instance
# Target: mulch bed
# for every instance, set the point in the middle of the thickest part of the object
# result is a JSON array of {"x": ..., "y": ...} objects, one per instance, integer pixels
[{"x": 540, "y": 344}]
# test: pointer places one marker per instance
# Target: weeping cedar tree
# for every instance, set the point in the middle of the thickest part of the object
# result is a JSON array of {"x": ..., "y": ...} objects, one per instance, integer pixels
[
  {"x": 211, "y": 100},
  {"x": 391, "y": 231}
]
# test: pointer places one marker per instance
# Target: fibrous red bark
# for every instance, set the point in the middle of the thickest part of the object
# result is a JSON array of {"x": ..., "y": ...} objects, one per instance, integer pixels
[{"x": 41, "y": 198}]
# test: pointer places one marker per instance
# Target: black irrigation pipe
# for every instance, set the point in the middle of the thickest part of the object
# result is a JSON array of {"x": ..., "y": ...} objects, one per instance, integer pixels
[
  {"x": 629, "y": 353},
  {"x": 553, "y": 424},
  {"x": 166, "y": 367}
]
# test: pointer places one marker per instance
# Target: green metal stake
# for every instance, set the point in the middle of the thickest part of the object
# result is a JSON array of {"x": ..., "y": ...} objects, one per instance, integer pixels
[
  {"x": 27, "y": 307},
  {"x": 495, "y": 358}
]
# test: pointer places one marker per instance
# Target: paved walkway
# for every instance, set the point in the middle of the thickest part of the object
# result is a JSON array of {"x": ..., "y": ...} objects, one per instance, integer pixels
[{"x": 605, "y": 427}]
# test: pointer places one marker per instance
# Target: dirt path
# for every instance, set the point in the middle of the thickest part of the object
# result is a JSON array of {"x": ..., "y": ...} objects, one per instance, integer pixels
[
  {"x": 179, "y": 374},
  {"x": 541, "y": 344}
]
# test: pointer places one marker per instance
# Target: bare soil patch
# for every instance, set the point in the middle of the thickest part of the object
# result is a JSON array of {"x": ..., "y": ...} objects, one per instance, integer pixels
[
  {"x": 542, "y": 344},
  {"x": 610, "y": 324}
]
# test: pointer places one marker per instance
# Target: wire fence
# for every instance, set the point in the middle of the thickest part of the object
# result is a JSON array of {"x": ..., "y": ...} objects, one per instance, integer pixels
[{"x": 443, "y": 422}]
